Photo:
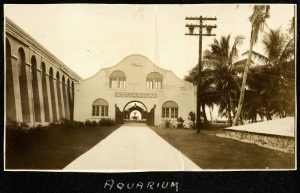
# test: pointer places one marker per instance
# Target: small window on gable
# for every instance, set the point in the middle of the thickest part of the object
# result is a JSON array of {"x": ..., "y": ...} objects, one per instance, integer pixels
[
  {"x": 154, "y": 81},
  {"x": 117, "y": 79}
]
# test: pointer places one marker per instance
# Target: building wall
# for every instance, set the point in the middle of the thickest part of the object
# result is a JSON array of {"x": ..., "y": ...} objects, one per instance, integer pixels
[
  {"x": 136, "y": 68},
  {"x": 41, "y": 89},
  {"x": 35, "y": 80}
]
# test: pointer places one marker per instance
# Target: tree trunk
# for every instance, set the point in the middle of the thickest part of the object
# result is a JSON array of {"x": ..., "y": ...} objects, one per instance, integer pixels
[
  {"x": 229, "y": 111},
  {"x": 204, "y": 112},
  {"x": 241, "y": 100},
  {"x": 241, "y": 120}
]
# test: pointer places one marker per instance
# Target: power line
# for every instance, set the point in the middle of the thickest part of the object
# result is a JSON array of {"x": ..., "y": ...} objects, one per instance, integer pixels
[{"x": 208, "y": 28}]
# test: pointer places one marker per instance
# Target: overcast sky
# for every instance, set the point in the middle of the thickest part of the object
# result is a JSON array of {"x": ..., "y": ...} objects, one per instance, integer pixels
[{"x": 87, "y": 37}]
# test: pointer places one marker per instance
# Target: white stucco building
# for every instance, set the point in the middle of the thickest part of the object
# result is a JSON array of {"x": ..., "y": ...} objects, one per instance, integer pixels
[
  {"x": 40, "y": 89},
  {"x": 135, "y": 85}
]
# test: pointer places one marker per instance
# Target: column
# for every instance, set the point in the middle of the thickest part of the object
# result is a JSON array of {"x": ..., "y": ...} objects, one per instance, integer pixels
[
  {"x": 67, "y": 101},
  {"x": 15, "y": 69},
  {"x": 56, "y": 99},
  {"x": 40, "y": 87},
  {"x": 30, "y": 94},
  {"x": 49, "y": 98},
  {"x": 62, "y": 99}
]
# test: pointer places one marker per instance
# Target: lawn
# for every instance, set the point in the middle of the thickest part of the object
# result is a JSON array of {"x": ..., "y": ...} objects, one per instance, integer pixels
[
  {"x": 51, "y": 148},
  {"x": 211, "y": 152}
]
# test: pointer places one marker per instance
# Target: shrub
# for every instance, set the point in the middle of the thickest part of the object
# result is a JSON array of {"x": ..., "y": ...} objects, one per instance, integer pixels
[
  {"x": 78, "y": 124},
  {"x": 106, "y": 122},
  {"x": 94, "y": 123},
  {"x": 192, "y": 118},
  {"x": 87, "y": 123},
  {"x": 180, "y": 121},
  {"x": 10, "y": 124},
  {"x": 168, "y": 124},
  {"x": 24, "y": 126},
  {"x": 65, "y": 123}
]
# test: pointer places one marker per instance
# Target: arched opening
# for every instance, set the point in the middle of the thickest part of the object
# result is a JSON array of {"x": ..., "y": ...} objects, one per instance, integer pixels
[
  {"x": 154, "y": 81},
  {"x": 23, "y": 86},
  {"x": 45, "y": 93},
  {"x": 67, "y": 115},
  {"x": 10, "y": 93},
  {"x": 59, "y": 95},
  {"x": 135, "y": 115},
  {"x": 117, "y": 79},
  {"x": 135, "y": 111},
  {"x": 52, "y": 94},
  {"x": 170, "y": 110},
  {"x": 35, "y": 91}
]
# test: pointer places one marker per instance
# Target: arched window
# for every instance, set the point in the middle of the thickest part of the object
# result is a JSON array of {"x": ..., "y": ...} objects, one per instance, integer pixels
[
  {"x": 117, "y": 79},
  {"x": 154, "y": 80},
  {"x": 170, "y": 110},
  {"x": 100, "y": 108}
]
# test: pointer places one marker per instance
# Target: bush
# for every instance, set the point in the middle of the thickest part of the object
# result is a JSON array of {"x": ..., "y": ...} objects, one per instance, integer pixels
[
  {"x": 192, "y": 118},
  {"x": 106, "y": 122},
  {"x": 89, "y": 123},
  {"x": 94, "y": 123},
  {"x": 78, "y": 124},
  {"x": 10, "y": 124},
  {"x": 168, "y": 124},
  {"x": 65, "y": 123},
  {"x": 180, "y": 122}
]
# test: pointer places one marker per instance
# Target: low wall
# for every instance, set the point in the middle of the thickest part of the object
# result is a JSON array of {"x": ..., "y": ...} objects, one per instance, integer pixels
[{"x": 280, "y": 143}]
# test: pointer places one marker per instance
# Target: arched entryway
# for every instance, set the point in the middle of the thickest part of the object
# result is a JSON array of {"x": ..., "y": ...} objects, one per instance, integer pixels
[{"x": 135, "y": 111}]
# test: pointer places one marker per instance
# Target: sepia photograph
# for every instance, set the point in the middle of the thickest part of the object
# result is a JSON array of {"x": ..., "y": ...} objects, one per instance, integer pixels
[{"x": 156, "y": 87}]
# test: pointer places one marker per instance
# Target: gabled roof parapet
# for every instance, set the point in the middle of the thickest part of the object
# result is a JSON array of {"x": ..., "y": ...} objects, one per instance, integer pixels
[{"x": 14, "y": 30}]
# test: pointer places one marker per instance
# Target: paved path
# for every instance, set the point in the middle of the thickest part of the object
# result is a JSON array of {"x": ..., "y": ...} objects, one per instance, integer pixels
[
  {"x": 132, "y": 148},
  {"x": 282, "y": 127}
]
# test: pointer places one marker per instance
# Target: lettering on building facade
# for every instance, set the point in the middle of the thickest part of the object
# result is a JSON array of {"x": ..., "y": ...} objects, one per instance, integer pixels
[{"x": 135, "y": 95}]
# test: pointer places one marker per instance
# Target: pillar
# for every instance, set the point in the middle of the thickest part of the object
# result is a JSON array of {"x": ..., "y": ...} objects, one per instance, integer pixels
[
  {"x": 49, "y": 97},
  {"x": 56, "y": 99},
  {"x": 61, "y": 86},
  {"x": 15, "y": 69},
  {"x": 40, "y": 87}
]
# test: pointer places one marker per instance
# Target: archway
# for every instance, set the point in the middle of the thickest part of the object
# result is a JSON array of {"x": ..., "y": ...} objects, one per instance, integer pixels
[
  {"x": 10, "y": 93},
  {"x": 23, "y": 86},
  {"x": 135, "y": 111},
  {"x": 35, "y": 90}
]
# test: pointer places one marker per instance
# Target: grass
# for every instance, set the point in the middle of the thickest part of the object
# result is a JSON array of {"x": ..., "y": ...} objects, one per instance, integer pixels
[
  {"x": 211, "y": 152},
  {"x": 51, "y": 148}
]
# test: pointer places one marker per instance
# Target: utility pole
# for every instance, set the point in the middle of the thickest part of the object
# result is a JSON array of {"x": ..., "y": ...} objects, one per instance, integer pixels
[{"x": 200, "y": 34}]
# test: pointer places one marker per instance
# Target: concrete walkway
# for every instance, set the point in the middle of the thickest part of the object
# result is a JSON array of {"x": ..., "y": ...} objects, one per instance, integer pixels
[
  {"x": 132, "y": 148},
  {"x": 282, "y": 127}
]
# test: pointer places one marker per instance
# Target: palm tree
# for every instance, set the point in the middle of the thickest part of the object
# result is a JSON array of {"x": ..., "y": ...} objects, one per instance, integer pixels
[
  {"x": 257, "y": 19},
  {"x": 221, "y": 58},
  {"x": 279, "y": 71},
  {"x": 206, "y": 88}
]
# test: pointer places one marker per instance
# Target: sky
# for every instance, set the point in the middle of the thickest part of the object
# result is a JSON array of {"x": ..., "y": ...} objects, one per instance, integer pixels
[{"x": 88, "y": 37}]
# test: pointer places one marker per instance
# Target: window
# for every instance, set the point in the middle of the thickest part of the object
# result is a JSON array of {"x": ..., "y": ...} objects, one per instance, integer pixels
[
  {"x": 100, "y": 108},
  {"x": 104, "y": 111},
  {"x": 95, "y": 110},
  {"x": 154, "y": 81},
  {"x": 170, "y": 110},
  {"x": 117, "y": 79}
]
